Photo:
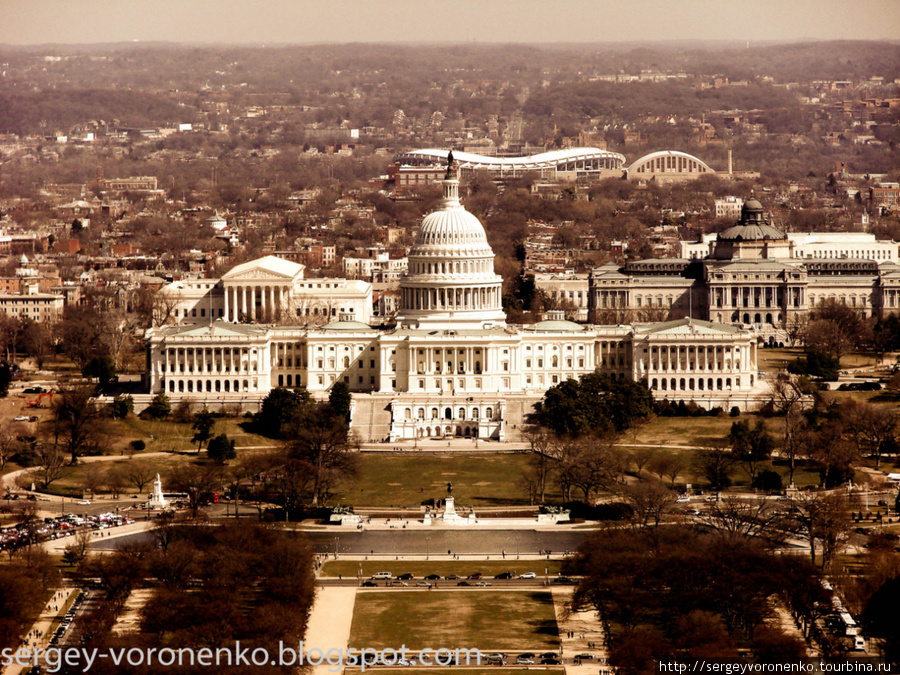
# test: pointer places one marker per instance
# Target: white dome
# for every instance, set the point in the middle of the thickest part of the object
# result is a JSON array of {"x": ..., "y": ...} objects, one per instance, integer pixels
[
  {"x": 451, "y": 229},
  {"x": 450, "y": 281}
]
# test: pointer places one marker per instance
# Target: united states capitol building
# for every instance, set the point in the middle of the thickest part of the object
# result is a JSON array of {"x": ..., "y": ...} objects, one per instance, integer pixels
[{"x": 451, "y": 366}]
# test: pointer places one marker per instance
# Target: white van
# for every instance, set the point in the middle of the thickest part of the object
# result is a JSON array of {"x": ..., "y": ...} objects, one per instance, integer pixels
[
  {"x": 382, "y": 575},
  {"x": 859, "y": 643}
]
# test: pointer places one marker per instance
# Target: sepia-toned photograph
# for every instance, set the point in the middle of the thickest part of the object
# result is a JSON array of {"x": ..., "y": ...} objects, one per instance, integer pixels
[{"x": 281, "y": 280}]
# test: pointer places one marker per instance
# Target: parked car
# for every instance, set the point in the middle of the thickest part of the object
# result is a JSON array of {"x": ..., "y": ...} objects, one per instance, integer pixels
[
  {"x": 369, "y": 584},
  {"x": 20, "y": 418},
  {"x": 464, "y": 583},
  {"x": 433, "y": 577},
  {"x": 503, "y": 575},
  {"x": 482, "y": 583},
  {"x": 475, "y": 575},
  {"x": 528, "y": 575},
  {"x": 423, "y": 584},
  {"x": 452, "y": 577},
  {"x": 382, "y": 575},
  {"x": 522, "y": 661},
  {"x": 406, "y": 576},
  {"x": 563, "y": 580},
  {"x": 397, "y": 582}
]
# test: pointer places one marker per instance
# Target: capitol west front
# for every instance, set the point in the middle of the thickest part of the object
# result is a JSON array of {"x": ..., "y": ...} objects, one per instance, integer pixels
[{"x": 452, "y": 366}]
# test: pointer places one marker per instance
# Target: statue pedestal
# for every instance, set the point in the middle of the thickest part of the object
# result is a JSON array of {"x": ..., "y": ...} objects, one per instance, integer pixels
[
  {"x": 157, "y": 500},
  {"x": 449, "y": 507}
]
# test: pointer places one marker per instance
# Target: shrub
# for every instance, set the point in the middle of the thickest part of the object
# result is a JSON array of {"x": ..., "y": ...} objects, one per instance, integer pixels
[
  {"x": 768, "y": 481},
  {"x": 159, "y": 407},
  {"x": 735, "y": 411}
]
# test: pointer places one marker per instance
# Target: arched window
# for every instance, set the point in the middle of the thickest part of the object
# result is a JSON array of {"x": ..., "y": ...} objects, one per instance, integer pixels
[
  {"x": 462, "y": 414},
  {"x": 489, "y": 414},
  {"x": 421, "y": 413},
  {"x": 448, "y": 414}
]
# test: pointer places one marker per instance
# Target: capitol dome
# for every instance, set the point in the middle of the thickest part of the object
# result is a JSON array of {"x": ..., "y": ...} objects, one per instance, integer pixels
[{"x": 450, "y": 281}]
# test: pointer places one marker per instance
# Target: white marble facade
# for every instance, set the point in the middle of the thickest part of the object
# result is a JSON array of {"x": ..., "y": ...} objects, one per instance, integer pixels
[{"x": 451, "y": 364}]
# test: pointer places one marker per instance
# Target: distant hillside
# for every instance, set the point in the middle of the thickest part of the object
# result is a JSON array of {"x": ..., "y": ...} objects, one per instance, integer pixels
[{"x": 49, "y": 111}]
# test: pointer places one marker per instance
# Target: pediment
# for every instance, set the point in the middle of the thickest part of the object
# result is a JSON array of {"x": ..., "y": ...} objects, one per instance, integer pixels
[{"x": 258, "y": 274}]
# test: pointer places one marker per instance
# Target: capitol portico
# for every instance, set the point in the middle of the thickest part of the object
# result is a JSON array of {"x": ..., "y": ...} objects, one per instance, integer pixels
[{"x": 451, "y": 365}]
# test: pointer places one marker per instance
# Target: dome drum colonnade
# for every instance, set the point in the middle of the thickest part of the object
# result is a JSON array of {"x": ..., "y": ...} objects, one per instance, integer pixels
[{"x": 451, "y": 281}]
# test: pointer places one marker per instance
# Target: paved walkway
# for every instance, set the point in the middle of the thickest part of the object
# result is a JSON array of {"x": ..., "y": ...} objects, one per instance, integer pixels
[
  {"x": 585, "y": 629},
  {"x": 38, "y": 634},
  {"x": 329, "y": 622},
  {"x": 58, "y": 546}
]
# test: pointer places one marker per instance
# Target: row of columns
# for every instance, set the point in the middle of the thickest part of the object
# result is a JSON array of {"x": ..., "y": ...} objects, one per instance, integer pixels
[
  {"x": 738, "y": 297},
  {"x": 704, "y": 358},
  {"x": 478, "y": 297},
  {"x": 451, "y": 355},
  {"x": 612, "y": 299},
  {"x": 242, "y": 301},
  {"x": 230, "y": 360}
]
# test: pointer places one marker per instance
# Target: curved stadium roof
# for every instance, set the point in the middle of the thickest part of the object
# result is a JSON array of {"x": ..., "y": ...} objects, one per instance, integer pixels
[
  {"x": 570, "y": 159},
  {"x": 648, "y": 159}
]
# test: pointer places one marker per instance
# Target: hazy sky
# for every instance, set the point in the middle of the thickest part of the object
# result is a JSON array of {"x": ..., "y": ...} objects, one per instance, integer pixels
[{"x": 530, "y": 21}]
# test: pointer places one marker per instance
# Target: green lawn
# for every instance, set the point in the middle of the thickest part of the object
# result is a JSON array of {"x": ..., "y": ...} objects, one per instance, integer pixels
[
  {"x": 420, "y": 568},
  {"x": 486, "y": 620},
  {"x": 691, "y": 431},
  {"x": 774, "y": 360},
  {"x": 72, "y": 484},
  {"x": 167, "y": 436},
  {"x": 409, "y": 479}
]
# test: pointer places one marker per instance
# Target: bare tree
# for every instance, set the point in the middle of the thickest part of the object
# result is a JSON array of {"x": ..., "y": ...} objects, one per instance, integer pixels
[
  {"x": 788, "y": 396},
  {"x": 591, "y": 465},
  {"x": 796, "y": 329},
  {"x": 667, "y": 464},
  {"x": 649, "y": 501},
  {"x": 741, "y": 518},
  {"x": 872, "y": 429},
  {"x": 544, "y": 457},
  {"x": 77, "y": 551},
  {"x": 9, "y": 445},
  {"x": 824, "y": 517},
  {"x": 197, "y": 481},
  {"x": 642, "y": 457},
  {"x": 139, "y": 473},
  {"x": 93, "y": 478},
  {"x": 78, "y": 422},
  {"x": 50, "y": 462},
  {"x": 715, "y": 464}
]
